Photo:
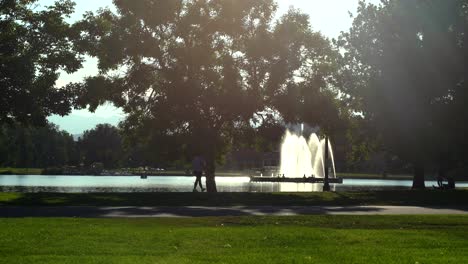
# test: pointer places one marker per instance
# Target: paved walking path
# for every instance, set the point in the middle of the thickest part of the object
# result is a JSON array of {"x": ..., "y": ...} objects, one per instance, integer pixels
[{"x": 199, "y": 211}]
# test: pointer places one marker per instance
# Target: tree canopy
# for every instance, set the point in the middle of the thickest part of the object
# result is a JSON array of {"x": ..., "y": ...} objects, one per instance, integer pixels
[
  {"x": 34, "y": 46},
  {"x": 193, "y": 72},
  {"x": 404, "y": 71}
]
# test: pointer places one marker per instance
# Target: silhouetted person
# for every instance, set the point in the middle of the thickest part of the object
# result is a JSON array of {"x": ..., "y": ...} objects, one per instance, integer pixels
[
  {"x": 451, "y": 183},
  {"x": 441, "y": 177},
  {"x": 440, "y": 181},
  {"x": 198, "y": 166}
]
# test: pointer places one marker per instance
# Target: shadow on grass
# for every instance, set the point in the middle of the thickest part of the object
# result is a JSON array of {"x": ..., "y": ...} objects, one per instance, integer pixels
[
  {"x": 210, "y": 211},
  {"x": 192, "y": 211},
  {"x": 458, "y": 198}
]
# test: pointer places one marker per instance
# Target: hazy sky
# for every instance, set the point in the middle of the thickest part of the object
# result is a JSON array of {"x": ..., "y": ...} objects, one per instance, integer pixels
[{"x": 327, "y": 16}]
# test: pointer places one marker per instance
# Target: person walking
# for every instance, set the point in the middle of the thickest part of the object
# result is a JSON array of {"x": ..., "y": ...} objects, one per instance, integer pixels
[{"x": 198, "y": 166}]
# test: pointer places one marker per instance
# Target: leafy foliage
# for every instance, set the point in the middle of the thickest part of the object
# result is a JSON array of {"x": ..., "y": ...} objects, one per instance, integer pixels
[
  {"x": 34, "y": 47},
  {"x": 191, "y": 73},
  {"x": 405, "y": 67}
]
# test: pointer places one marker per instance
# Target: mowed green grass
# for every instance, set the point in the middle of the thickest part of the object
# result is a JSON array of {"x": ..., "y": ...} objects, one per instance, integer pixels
[{"x": 300, "y": 239}]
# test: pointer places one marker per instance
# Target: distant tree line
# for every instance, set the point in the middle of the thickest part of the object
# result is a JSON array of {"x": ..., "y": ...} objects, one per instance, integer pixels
[
  {"x": 36, "y": 147},
  {"x": 47, "y": 147},
  {"x": 51, "y": 148}
]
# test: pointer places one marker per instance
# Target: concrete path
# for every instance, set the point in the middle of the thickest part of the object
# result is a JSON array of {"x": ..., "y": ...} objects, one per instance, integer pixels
[{"x": 200, "y": 211}]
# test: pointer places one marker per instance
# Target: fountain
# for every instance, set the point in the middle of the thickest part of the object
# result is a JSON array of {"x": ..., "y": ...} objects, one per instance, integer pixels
[
  {"x": 305, "y": 161},
  {"x": 301, "y": 157}
]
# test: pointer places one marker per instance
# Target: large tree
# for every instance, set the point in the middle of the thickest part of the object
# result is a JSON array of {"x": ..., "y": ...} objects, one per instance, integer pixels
[
  {"x": 35, "y": 44},
  {"x": 404, "y": 72},
  {"x": 189, "y": 73}
]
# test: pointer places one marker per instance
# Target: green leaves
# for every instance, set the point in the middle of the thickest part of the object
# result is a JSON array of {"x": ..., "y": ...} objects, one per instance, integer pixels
[
  {"x": 402, "y": 61},
  {"x": 34, "y": 46},
  {"x": 196, "y": 71}
]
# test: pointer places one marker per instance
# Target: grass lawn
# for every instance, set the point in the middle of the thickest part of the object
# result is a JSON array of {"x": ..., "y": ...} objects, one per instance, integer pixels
[
  {"x": 302, "y": 239},
  {"x": 403, "y": 197}
]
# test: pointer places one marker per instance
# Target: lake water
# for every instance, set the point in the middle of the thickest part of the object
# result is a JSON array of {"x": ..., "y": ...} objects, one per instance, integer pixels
[{"x": 42, "y": 183}]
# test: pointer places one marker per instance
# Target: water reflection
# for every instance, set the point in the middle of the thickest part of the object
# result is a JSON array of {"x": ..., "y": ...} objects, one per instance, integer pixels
[{"x": 86, "y": 184}]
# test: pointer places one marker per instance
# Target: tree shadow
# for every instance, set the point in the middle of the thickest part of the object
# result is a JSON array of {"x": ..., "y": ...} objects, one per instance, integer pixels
[
  {"x": 436, "y": 199},
  {"x": 179, "y": 211}
]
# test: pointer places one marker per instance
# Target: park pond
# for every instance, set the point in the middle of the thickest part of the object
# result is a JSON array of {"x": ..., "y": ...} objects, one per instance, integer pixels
[{"x": 43, "y": 183}]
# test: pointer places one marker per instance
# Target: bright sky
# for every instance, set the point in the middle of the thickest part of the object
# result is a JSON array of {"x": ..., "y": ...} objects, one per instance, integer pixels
[{"x": 327, "y": 16}]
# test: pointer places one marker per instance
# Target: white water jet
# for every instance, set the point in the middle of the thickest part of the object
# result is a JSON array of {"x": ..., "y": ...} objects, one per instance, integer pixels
[
  {"x": 297, "y": 161},
  {"x": 300, "y": 157},
  {"x": 317, "y": 157},
  {"x": 332, "y": 158}
]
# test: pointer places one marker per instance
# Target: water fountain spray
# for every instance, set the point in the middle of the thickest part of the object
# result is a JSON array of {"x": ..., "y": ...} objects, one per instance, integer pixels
[{"x": 300, "y": 157}]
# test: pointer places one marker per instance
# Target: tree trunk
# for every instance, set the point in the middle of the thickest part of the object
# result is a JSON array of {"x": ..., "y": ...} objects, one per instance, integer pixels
[
  {"x": 418, "y": 179},
  {"x": 210, "y": 156},
  {"x": 326, "y": 184},
  {"x": 205, "y": 142},
  {"x": 210, "y": 174}
]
